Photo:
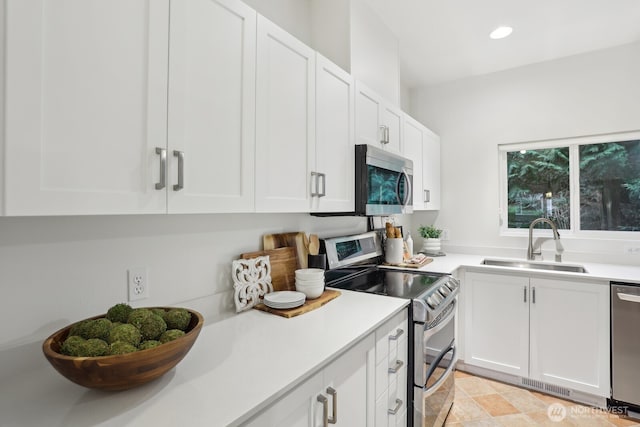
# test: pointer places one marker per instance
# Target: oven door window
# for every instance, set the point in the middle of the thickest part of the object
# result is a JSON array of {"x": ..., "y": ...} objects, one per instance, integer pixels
[{"x": 387, "y": 187}]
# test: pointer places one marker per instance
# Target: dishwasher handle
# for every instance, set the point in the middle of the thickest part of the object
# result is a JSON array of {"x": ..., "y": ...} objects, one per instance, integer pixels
[{"x": 628, "y": 297}]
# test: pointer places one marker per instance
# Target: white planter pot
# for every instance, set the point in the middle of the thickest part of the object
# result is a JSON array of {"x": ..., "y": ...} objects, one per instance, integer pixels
[{"x": 431, "y": 245}]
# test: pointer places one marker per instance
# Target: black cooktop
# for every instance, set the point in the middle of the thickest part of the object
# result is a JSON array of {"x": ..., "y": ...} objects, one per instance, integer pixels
[{"x": 395, "y": 283}]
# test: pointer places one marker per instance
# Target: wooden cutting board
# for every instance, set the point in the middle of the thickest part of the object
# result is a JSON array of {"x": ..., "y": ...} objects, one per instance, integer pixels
[
  {"x": 408, "y": 265},
  {"x": 283, "y": 267},
  {"x": 310, "y": 304},
  {"x": 297, "y": 239}
]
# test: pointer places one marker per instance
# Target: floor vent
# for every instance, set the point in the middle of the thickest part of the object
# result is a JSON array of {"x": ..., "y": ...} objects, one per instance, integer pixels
[
  {"x": 548, "y": 388},
  {"x": 533, "y": 383},
  {"x": 557, "y": 390}
]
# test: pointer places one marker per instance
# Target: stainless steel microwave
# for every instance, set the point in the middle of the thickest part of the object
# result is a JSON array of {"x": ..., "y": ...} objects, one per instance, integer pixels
[{"x": 384, "y": 182}]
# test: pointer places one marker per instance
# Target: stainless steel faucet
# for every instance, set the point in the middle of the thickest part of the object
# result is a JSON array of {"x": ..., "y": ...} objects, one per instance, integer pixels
[{"x": 531, "y": 253}]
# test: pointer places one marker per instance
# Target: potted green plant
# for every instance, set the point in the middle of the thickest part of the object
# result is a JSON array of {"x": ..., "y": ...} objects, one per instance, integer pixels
[{"x": 431, "y": 236}]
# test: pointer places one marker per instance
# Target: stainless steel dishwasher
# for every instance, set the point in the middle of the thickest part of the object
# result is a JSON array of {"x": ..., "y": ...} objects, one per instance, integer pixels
[{"x": 625, "y": 345}]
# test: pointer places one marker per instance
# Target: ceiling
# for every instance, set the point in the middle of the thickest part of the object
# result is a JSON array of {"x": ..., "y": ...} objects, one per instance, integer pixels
[{"x": 444, "y": 40}]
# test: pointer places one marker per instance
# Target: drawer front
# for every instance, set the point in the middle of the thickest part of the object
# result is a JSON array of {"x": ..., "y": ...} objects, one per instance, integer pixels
[{"x": 386, "y": 345}]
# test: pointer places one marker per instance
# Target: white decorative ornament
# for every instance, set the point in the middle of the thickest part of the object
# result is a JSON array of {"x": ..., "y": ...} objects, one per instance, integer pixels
[{"x": 251, "y": 281}]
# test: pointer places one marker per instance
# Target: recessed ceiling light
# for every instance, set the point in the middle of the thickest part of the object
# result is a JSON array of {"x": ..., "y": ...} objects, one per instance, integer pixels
[{"x": 500, "y": 32}]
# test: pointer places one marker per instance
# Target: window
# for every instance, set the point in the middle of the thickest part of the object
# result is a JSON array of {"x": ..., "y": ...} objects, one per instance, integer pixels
[{"x": 584, "y": 184}]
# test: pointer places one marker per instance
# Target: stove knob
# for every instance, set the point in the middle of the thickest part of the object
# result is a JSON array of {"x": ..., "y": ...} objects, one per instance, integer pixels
[
  {"x": 444, "y": 291},
  {"x": 452, "y": 284},
  {"x": 430, "y": 303},
  {"x": 436, "y": 298}
]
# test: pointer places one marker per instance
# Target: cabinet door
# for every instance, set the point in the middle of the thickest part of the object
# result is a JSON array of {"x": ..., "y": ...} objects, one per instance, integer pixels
[
  {"x": 368, "y": 116},
  {"x": 285, "y": 120},
  {"x": 347, "y": 375},
  {"x": 212, "y": 106},
  {"x": 86, "y": 99},
  {"x": 335, "y": 152},
  {"x": 413, "y": 147},
  {"x": 497, "y": 322},
  {"x": 392, "y": 120},
  {"x": 377, "y": 120},
  {"x": 295, "y": 409},
  {"x": 431, "y": 170},
  {"x": 570, "y": 334}
]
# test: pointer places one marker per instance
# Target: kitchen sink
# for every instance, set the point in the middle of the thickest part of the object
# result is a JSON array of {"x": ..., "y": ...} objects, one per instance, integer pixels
[{"x": 533, "y": 265}]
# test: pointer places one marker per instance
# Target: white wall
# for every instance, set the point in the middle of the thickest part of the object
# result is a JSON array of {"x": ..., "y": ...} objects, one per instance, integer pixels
[
  {"x": 582, "y": 95},
  {"x": 57, "y": 270},
  {"x": 331, "y": 30},
  {"x": 374, "y": 52},
  {"x": 292, "y": 15}
]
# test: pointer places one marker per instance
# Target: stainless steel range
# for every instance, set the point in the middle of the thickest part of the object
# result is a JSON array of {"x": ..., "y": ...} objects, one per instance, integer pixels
[{"x": 354, "y": 265}]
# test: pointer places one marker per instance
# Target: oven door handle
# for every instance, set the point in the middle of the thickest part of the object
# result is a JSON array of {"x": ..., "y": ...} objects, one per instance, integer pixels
[{"x": 432, "y": 389}]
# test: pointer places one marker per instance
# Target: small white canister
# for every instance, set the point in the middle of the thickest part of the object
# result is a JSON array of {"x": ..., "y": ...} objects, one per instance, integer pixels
[{"x": 394, "y": 250}]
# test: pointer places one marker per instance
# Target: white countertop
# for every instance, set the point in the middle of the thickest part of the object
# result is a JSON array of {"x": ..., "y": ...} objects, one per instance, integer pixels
[
  {"x": 236, "y": 367},
  {"x": 595, "y": 271}
]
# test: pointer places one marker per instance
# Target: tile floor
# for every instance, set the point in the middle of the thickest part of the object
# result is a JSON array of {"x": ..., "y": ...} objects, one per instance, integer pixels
[{"x": 483, "y": 402}]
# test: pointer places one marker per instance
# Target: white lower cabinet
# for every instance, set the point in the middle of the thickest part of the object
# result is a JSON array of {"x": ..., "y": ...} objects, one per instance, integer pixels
[
  {"x": 391, "y": 372},
  {"x": 364, "y": 387},
  {"x": 341, "y": 388},
  {"x": 549, "y": 330}
]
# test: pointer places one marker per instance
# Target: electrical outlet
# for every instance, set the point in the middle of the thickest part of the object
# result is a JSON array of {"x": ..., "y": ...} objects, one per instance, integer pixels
[
  {"x": 445, "y": 235},
  {"x": 138, "y": 283}
]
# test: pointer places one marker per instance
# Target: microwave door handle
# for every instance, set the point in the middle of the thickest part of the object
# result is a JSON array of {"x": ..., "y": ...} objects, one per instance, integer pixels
[
  {"x": 409, "y": 189},
  {"x": 407, "y": 196}
]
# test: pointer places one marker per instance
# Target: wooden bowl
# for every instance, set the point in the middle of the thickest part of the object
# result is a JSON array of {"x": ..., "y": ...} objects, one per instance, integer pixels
[{"x": 122, "y": 371}]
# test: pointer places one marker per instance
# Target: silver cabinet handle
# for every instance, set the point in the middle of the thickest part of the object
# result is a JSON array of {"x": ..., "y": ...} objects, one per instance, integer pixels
[
  {"x": 395, "y": 368},
  {"x": 323, "y": 177},
  {"x": 427, "y": 196},
  {"x": 163, "y": 167},
  {"x": 334, "y": 411},
  {"x": 399, "y": 333},
  {"x": 325, "y": 410},
  {"x": 384, "y": 134},
  {"x": 525, "y": 293},
  {"x": 314, "y": 180},
  {"x": 180, "y": 155},
  {"x": 396, "y": 409},
  {"x": 533, "y": 297}
]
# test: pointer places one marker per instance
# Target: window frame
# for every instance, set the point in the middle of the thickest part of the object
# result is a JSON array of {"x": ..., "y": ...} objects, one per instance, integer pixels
[{"x": 573, "y": 143}]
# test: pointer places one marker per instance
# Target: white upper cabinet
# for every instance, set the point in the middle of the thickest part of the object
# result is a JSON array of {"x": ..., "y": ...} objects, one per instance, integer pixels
[
  {"x": 98, "y": 124},
  {"x": 423, "y": 147},
  {"x": 333, "y": 172},
  {"x": 211, "y": 106},
  {"x": 413, "y": 147},
  {"x": 431, "y": 184},
  {"x": 378, "y": 122},
  {"x": 85, "y": 106},
  {"x": 285, "y": 121}
]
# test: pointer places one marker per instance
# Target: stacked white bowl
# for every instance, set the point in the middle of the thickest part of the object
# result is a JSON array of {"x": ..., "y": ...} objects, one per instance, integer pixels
[{"x": 310, "y": 281}]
